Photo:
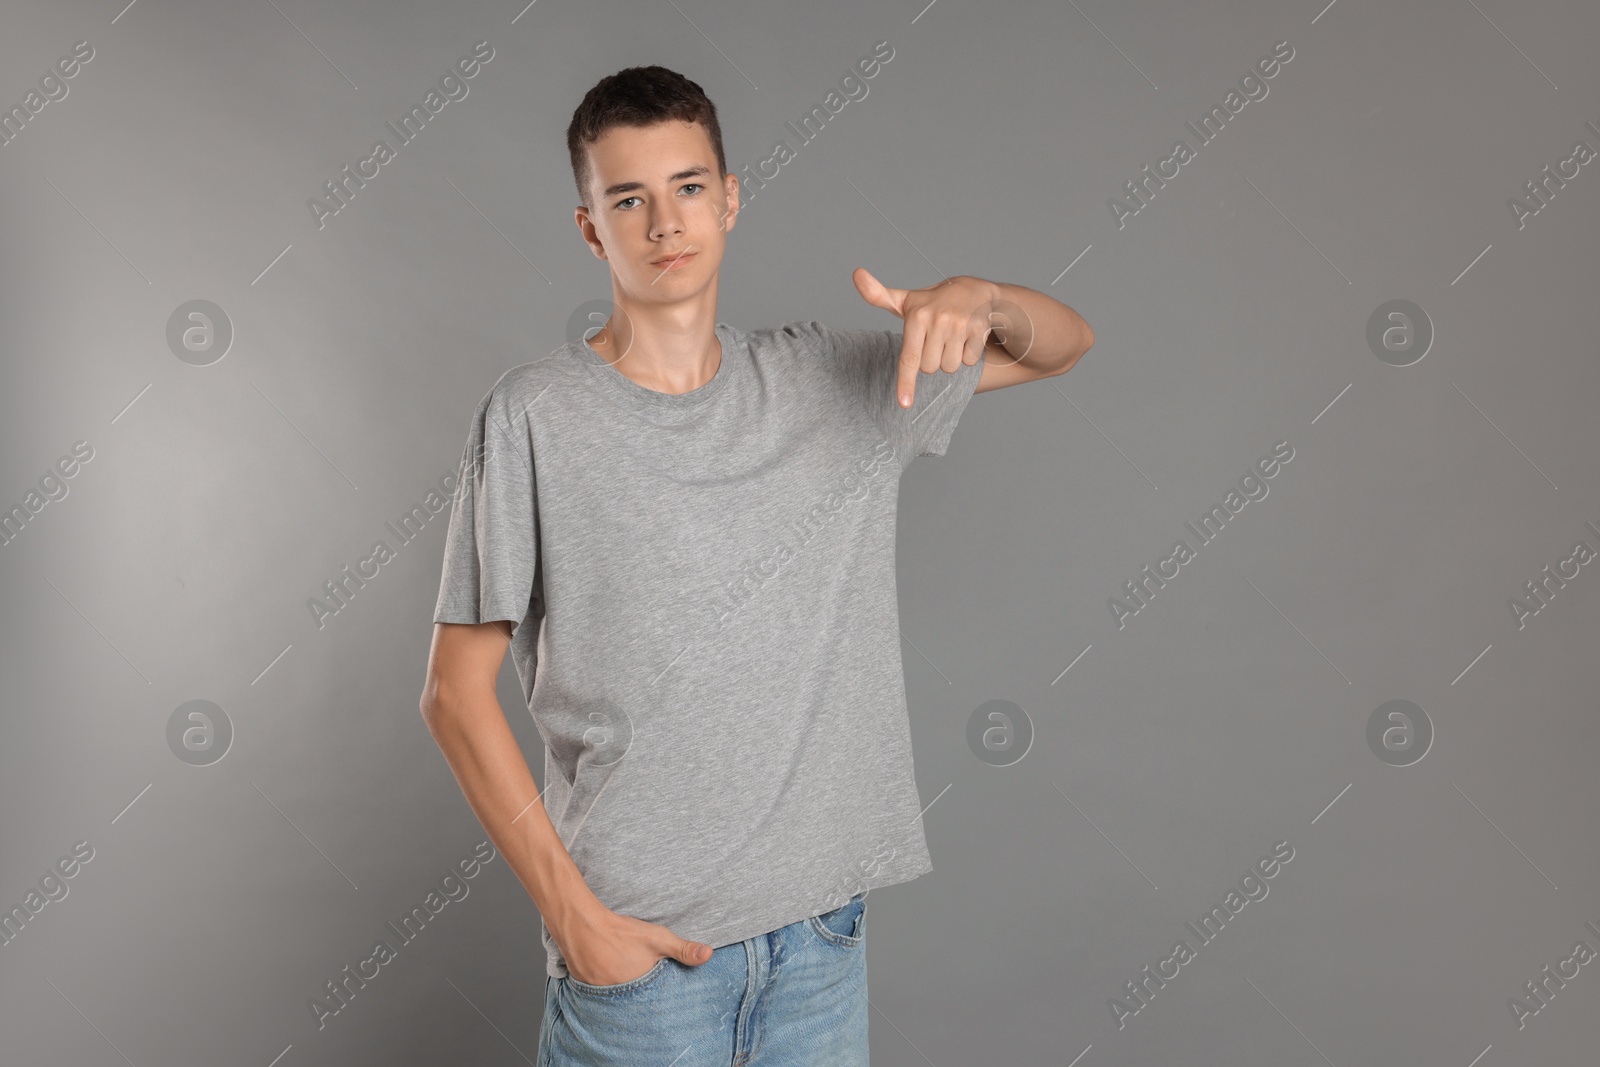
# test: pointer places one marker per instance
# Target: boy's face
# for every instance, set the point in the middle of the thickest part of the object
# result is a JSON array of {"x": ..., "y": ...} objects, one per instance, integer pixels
[{"x": 661, "y": 216}]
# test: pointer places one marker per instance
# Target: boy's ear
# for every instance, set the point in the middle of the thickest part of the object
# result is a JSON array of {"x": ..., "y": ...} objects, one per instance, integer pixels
[
  {"x": 580, "y": 215},
  {"x": 730, "y": 213}
]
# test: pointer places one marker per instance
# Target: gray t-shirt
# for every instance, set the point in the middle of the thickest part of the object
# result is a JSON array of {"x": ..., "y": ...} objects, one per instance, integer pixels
[{"x": 705, "y": 583}]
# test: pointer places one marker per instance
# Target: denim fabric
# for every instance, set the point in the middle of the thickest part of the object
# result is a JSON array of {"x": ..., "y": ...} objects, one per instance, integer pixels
[{"x": 795, "y": 997}]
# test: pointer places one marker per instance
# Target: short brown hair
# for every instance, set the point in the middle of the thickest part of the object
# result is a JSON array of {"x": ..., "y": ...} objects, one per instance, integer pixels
[{"x": 638, "y": 96}]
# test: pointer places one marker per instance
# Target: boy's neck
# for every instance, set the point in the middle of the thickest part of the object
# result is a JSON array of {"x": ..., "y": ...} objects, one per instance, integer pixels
[{"x": 667, "y": 349}]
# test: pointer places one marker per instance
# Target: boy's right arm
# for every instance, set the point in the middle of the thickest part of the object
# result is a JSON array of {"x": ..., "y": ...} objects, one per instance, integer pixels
[{"x": 463, "y": 714}]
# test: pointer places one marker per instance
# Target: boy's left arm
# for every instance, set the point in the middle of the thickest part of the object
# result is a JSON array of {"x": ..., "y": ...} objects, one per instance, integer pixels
[{"x": 1032, "y": 336}]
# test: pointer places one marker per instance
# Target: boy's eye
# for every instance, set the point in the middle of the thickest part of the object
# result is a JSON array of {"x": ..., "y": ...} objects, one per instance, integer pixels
[{"x": 692, "y": 185}]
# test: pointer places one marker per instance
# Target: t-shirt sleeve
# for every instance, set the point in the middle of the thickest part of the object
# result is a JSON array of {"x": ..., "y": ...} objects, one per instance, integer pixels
[
  {"x": 491, "y": 549},
  {"x": 869, "y": 362}
]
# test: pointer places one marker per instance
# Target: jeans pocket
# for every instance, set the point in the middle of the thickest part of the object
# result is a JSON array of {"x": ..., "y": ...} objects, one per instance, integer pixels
[
  {"x": 630, "y": 986},
  {"x": 845, "y": 925}
]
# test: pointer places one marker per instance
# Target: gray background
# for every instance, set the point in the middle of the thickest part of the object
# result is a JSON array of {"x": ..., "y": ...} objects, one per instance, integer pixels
[{"x": 1230, "y": 313}]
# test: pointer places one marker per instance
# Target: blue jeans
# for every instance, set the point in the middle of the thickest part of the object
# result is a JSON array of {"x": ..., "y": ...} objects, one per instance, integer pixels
[{"x": 795, "y": 996}]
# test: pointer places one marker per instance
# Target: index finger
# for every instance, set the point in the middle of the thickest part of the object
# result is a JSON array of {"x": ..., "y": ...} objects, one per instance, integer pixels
[{"x": 910, "y": 362}]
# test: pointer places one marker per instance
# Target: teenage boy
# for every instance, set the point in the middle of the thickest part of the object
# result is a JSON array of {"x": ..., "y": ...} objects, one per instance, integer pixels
[{"x": 688, "y": 529}]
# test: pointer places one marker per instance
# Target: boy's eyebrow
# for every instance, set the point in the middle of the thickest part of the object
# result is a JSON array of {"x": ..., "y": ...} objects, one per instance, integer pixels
[{"x": 628, "y": 187}]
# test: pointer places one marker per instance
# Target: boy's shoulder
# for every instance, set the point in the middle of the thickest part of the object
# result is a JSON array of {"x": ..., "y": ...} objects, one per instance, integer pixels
[
  {"x": 807, "y": 333},
  {"x": 826, "y": 339},
  {"x": 518, "y": 388}
]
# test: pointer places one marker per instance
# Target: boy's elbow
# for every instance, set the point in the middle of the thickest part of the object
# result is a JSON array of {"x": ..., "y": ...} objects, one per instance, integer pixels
[
  {"x": 439, "y": 699},
  {"x": 462, "y": 667}
]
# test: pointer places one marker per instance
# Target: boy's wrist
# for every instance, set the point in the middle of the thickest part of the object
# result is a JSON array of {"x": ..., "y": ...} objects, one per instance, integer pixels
[{"x": 571, "y": 902}]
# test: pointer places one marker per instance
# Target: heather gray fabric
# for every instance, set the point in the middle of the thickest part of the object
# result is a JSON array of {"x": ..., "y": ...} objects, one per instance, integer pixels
[{"x": 705, "y": 583}]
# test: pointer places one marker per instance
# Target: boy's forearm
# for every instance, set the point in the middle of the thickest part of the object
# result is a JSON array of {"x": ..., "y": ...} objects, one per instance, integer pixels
[
  {"x": 1051, "y": 337},
  {"x": 489, "y": 765}
]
